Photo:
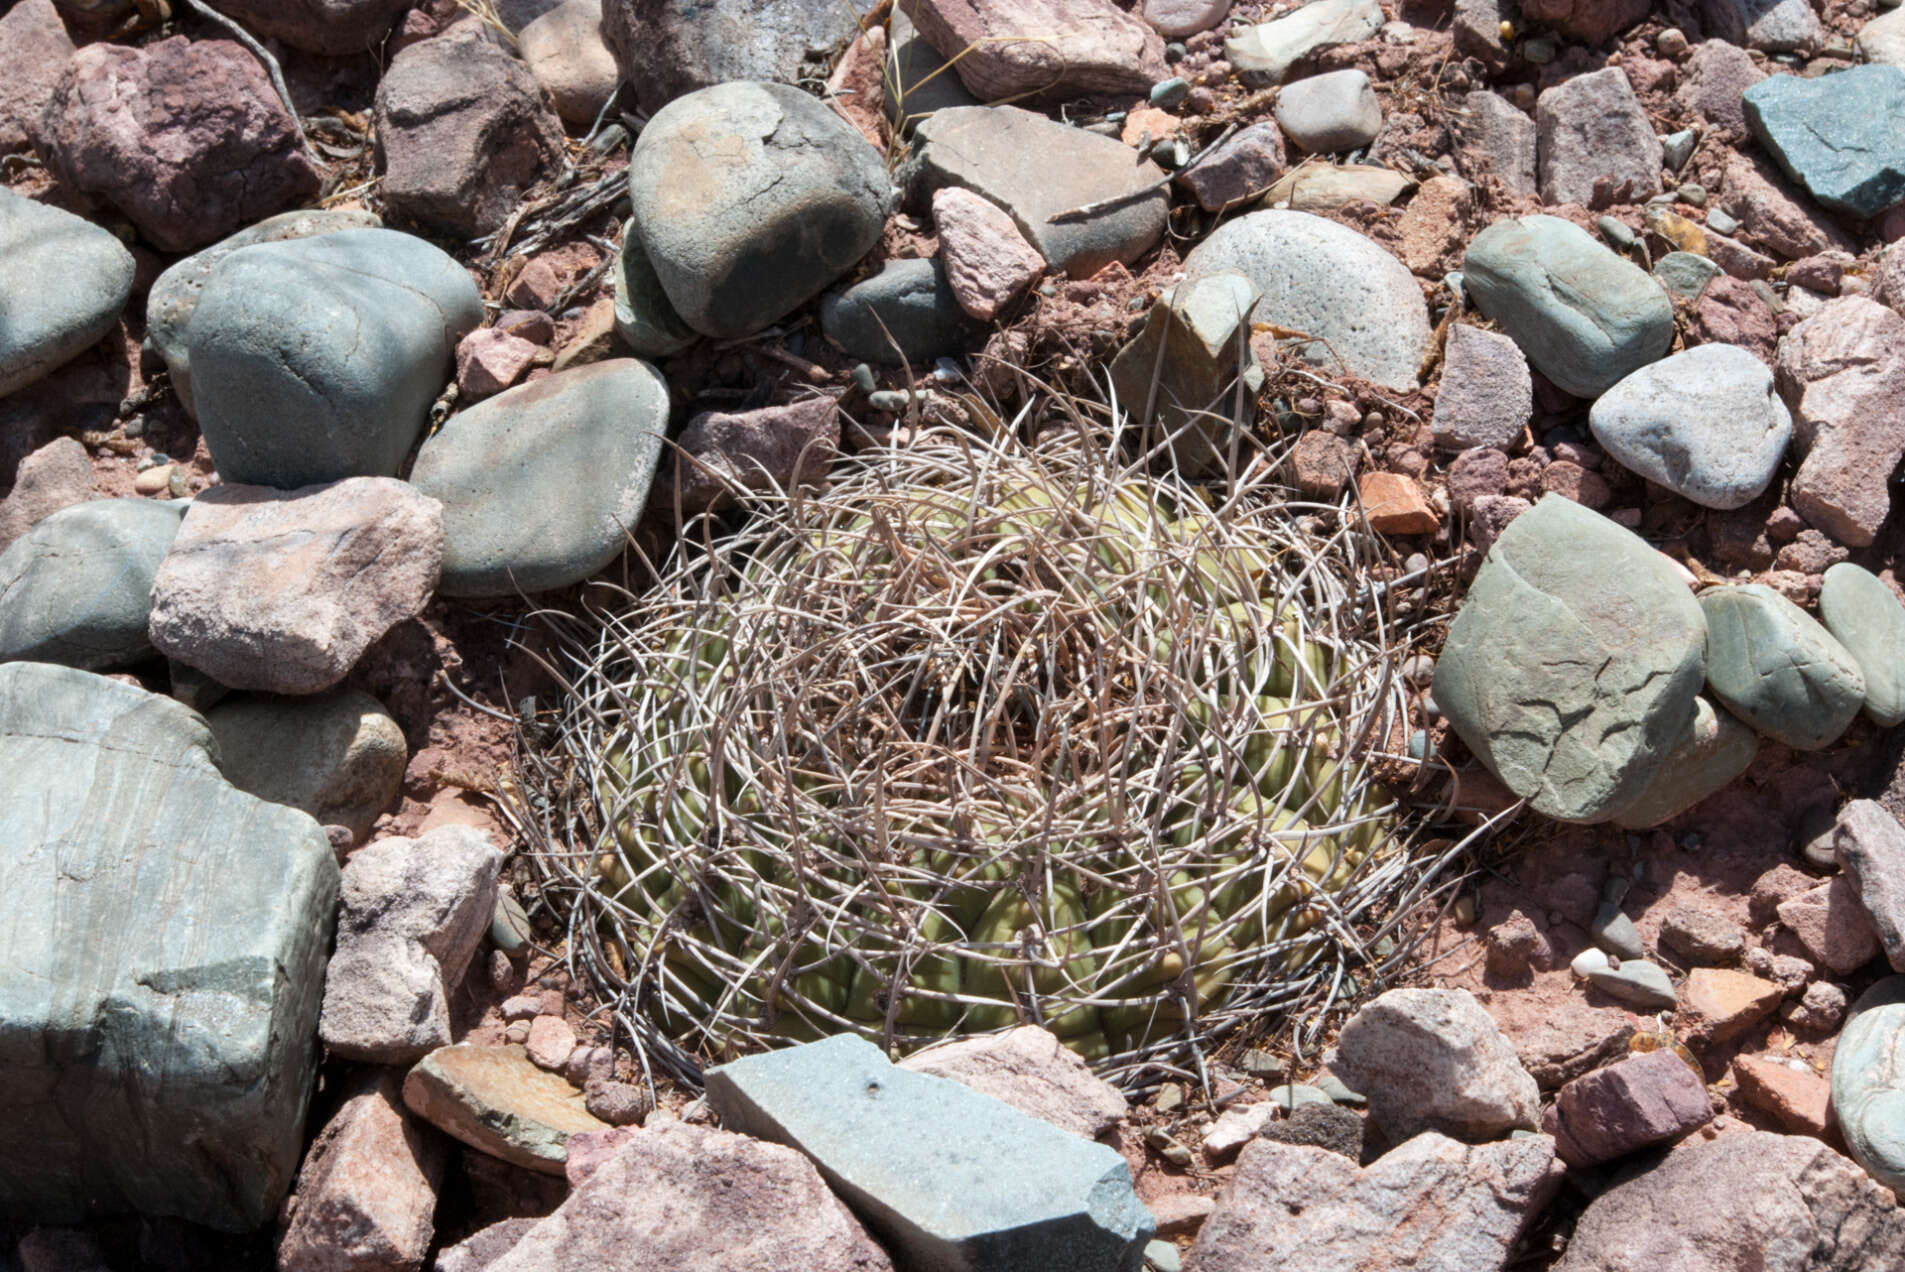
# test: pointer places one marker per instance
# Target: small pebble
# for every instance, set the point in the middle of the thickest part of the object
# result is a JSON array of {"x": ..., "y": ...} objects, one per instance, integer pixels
[
  {"x": 893, "y": 400},
  {"x": 1589, "y": 961},
  {"x": 1265, "y": 1066},
  {"x": 1614, "y": 932},
  {"x": 1638, "y": 983},
  {"x": 1671, "y": 42},
  {"x": 1170, "y": 94},
  {"x": 1694, "y": 193},
  {"x": 1293, "y": 1096},
  {"x": 509, "y": 925},
  {"x": 154, "y": 481},
  {"x": 1162, "y": 1256},
  {"x": 1334, "y": 1087},
  {"x": 863, "y": 378},
  {"x": 1616, "y": 233},
  {"x": 1677, "y": 148},
  {"x": 1170, "y": 1097},
  {"x": 1720, "y": 223}
]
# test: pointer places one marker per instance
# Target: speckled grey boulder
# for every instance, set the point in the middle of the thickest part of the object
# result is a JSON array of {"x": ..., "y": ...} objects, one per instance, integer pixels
[
  {"x": 76, "y": 589},
  {"x": 317, "y": 359},
  {"x": 64, "y": 284},
  {"x": 1705, "y": 423},
  {"x": 1574, "y": 663},
  {"x": 1585, "y": 317},
  {"x": 1773, "y": 666},
  {"x": 1868, "y": 1082},
  {"x": 1865, "y": 616},
  {"x": 751, "y": 198},
  {"x": 905, "y": 313},
  {"x": 541, "y": 485}
]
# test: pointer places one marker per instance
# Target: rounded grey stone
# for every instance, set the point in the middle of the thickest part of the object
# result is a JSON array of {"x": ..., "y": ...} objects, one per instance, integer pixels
[
  {"x": 76, "y": 589},
  {"x": 541, "y": 485},
  {"x": 1864, "y": 616},
  {"x": 751, "y": 198},
  {"x": 1773, "y": 666},
  {"x": 1637, "y": 982},
  {"x": 644, "y": 318},
  {"x": 1331, "y": 112},
  {"x": 1705, "y": 423},
  {"x": 1714, "y": 749},
  {"x": 338, "y": 756},
  {"x": 317, "y": 359},
  {"x": 1585, "y": 317},
  {"x": 905, "y": 313},
  {"x": 1868, "y": 1082},
  {"x": 1686, "y": 275},
  {"x": 63, "y": 285}
]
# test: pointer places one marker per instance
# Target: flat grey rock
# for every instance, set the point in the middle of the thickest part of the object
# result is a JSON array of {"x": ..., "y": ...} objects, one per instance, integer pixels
[
  {"x": 1585, "y": 317},
  {"x": 751, "y": 198},
  {"x": 920, "y": 1159},
  {"x": 1638, "y": 983},
  {"x": 1773, "y": 666},
  {"x": 1686, "y": 275},
  {"x": 1360, "y": 304},
  {"x": 905, "y": 313},
  {"x": 919, "y": 80},
  {"x": 1574, "y": 663},
  {"x": 1331, "y": 112},
  {"x": 65, "y": 282},
  {"x": 541, "y": 485},
  {"x": 1706, "y": 423},
  {"x": 338, "y": 756},
  {"x": 1265, "y": 54},
  {"x": 1868, "y": 1082},
  {"x": 645, "y": 318},
  {"x": 670, "y": 47},
  {"x": 1714, "y": 749},
  {"x": 1837, "y": 135},
  {"x": 76, "y": 589},
  {"x": 316, "y": 359},
  {"x": 160, "y": 966},
  {"x": 1501, "y": 134},
  {"x": 1773, "y": 26},
  {"x": 1865, "y": 616}
]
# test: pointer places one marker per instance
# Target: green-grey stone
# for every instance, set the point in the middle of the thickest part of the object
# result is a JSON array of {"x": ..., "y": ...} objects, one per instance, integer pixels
[
  {"x": 509, "y": 927},
  {"x": 1292, "y": 1096},
  {"x": 338, "y": 756},
  {"x": 77, "y": 587},
  {"x": 1773, "y": 666},
  {"x": 1638, "y": 983},
  {"x": 1614, "y": 932},
  {"x": 905, "y": 313},
  {"x": 1715, "y": 749},
  {"x": 1194, "y": 345},
  {"x": 161, "y": 963},
  {"x": 1162, "y": 1256},
  {"x": 1838, "y": 135},
  {"x": 1334, "y": 1087},
  {"x": 1685, "y": 274},
  {"x": 1573, "y": 665},
  {"x": 1868, "y": 620},
  {"x": 62, "y": 289},
  {"x": 645, "y": 319},
  {"x": 1868, "y": 1082}
]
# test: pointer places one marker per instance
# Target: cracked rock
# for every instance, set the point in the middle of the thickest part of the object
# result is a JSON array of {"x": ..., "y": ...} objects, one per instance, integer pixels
[
  {"x": 1772, "y": 665},
  {"x": 1837, "y": 135}
]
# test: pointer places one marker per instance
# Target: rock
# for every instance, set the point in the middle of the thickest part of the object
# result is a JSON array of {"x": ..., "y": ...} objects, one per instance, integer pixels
[
  {"x": 1701, "y": 935},
  {"x": 1793, "y": 1095},
  {"x": 1842, "y": 371},
  {"x": 1332, "y": 112},
  {"x": 645, "y": 318},
  {"x": 338, "y": 756},
  {"x": 1870, "y": 846},
  {"x": 904, "y": 315},
  {"x": 1360, "y": 303},
  {"x": 1265, "y": 54},
  {"x": 65, "y": 284},
  {"x": 289, "y": 392},
  {"x": 1177, "y": 18},
  {"x": 462, "y": 133},
  {"x": 918, "y": 79},
  {"x": 1589, "y": 21},
  {"x": 1832, "y": 924},
  {"x": 78, "y": 585},
  {"x": 565, "y": 51},
  {"x": 1432, "y": 1059},
  {"x": 160, "y": 966},
  {"x": 1585, "y": 317},
  {"x": 550, "y": 1044},
  {"x": 988, "y": 263},
  {"x": 1035, "y": 168},
  {"x": 1646, "y": 1099},
  {"x": 1612, "y": 931},
  {"x": 1772, "y": 212},
  {"x": 1490, "y": 515},
  {"x": 1820, "y": 1008},
  {"x": 1686, "y": 275},
  {"x": 1776, "y": 26},
  {"x": 1717, "y": 74},
  {"x": 1867, "y": 1081},
  {"x": 1033, "y": 1072},
  {"x": 1047, "y": 50},
  {"x": 1179, "y": 375},
  {"x": 1394, "y": 504},
  {"x": 1318, "y": 187},
  {"x": 38, "y": 52},
  {"x": 776, "y": 448},
  {"x": 482, "y": 1248},
  {"x": 679, "y": 1196},
  {"x": 1882, "y": 39},
  {"x": 1432, "y": 1203},
  {"x": 496, "y": 1101},
  {"x": 283, "y": 591},
  {"x": 366, "y": 1197},
  {"x": 751, "y": 198},
  {"x": 1718, "y": 1005},
  {"x": 1573, "y": 665},
  {"x": 1236, "y": 1127},
  {"x": 1478, "y": 27},
  {"x": 1775, "y": 668},
  {"x": 897, "y": 1145},
  {"x": 489, "y": 361},
  {"x": 667, "y": 48},
  {"x": 1865, "y": 616},
  {"x": 1486, "y": 397},
  {"x": 541, "y": 485},
  {"x": 1833, "y": 134},
  {"x": 330, "y": 27},
  {"x": 1240, "y": 169},
  {"x": 617, "y": 1103},
  {"x": 1504, "y": 138},
  {"x": 1322, "y": 465},
  {"x": 1325, "y": 1126},
  {"x": 186, "y": 138},
  {"x": 1751, "y": 1202},
  {"x": 1715, "y": 749},
  {"x": 1596, "y": 144},
  {"x": 174, "y": 297},
  {"x": 57, "y": 475},
  {"x": 1636, "y": 982}
]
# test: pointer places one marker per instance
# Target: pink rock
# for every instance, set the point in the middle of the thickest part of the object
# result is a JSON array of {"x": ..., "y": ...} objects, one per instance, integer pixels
[
  {"x": 1433, "y": 1059},
  {"x": 1797, "y": 1098},
  {"x": 480, "y": 1249},
  {"x": 1842, "y": 371},
  {"x": 38, "y": 50},
  {"x": 1487, "y": 395},
  {"x": 1597, "y": 146},
  {"x": 1772, "y": 213},
  {"x": 1042, "y": 49},
  {"x": 1174, "y": 18},
  {"x": 186, "y": 138},
  {"x": 1643, "y": 1100},
  {"x": 1731, "y": 312},
  {"x": 774, "y": 448},
  {"x": 58, "y": 475},
  {"x": 1477, "y": 474},
  {"x": 617, "y": 1103},
  {"x": 1322, "y": 465},
  {"x": 551, "y": 1041},
  {"x": 565, "y": 51},
  {"x": 680, "y": 1196},
  {"x": 1715, "y": 75},
  {"x": 988, "y": 262},
  {"x": 1489, "y": 515},
  {"x": 489, "y": 361},
  {"x": 332, "y": 27},
  {"x": 1034, "y": 1072},
  {"x": 366, "y": 1195},
  {"x": 1181, "y": 1214},
  {"x": 1497, "y": 138},
  {"x": 589, "y": 1149},
  {"x": 1891, "y": 282},
  {"x": 1589, "y": 21},
  {"x": 1832, "y": 925},
  {"x": 1240, "y": 169},
  {"x": 284, "y": 590}
]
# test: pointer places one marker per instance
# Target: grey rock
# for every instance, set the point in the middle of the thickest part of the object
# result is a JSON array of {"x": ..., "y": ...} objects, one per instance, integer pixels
[
  {"x": 1360, "y": 303},
  {"x": 66, "y": 281},
  {"x": 1613, "y": 931},
  {"x": 541, "y": 485},
  {"x": 1432, "y": 1059},
  {"x": 509, "y": 929},
  {"x": 906, "y": 313},
  {"x": 1702, "y": 935},
  {"x": 1486, "y": 397},
  {"x": 1596, "y": 144},
  {"x": 1327, "y": 187},
  {"x": 1836, "y": 135},
  {"x": 1035, "y": 168},
  {"x": 645, "y": 318},
  {"x": 1585, "y": 317},
  {"x": 1573, "y": 665},
  {"x": 77, "y": 588},
  {"x": 338, "y": 756},
  {"x": 1870, "y": 845},
  {"x": 476, "y": 1252},
  {"x": 1686, "y": 275},
  {"x": 1332, "y": 112},
  {"x": 1192, "y": 344},
  {"x": 160, "y": 965},
  {"x": 1265, "y": 54},
  {"x": 1868, "y": 1083},
  {"x": 897, "y": 1147},
  {"x": 1715, "y": 75},
  {"x": 1677, "y": 147},
  {"x": 564, "y": 50},
  {"x": 1637, "y": 982},
  {"x": 1706, "y": 423},
  {"x": 1291, "y": 1096},
  {"x": 1865, "y": 616},
  {"x": 1477, "y": 29},
  {"x": 316, "y": 359},
  {"x": 174, "y": 296},
  {"x": 1338, "y": 1091},
  {"x": 1882, "y": 39},
  {"x": 1775, "y": 26},
  {"x": 1714, "y": 749},
  {"x": 919, "y": 80},
  {"x": 1504, "y": 137},
  {"x": 1773, "y": 666},
  {"x": 751, "y": 198},
  {"x": 667, "y": 48}
]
